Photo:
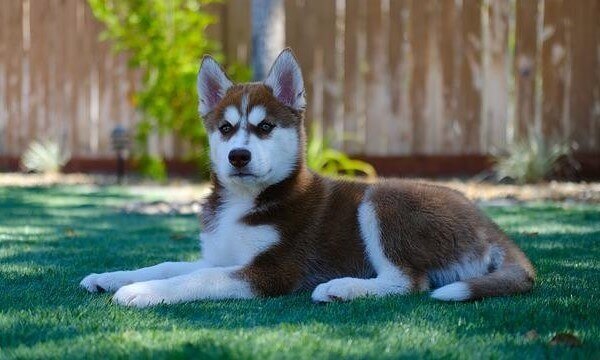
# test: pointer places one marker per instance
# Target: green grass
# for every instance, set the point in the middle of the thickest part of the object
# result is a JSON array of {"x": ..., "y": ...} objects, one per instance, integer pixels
[{"x": 51, "y": 237}]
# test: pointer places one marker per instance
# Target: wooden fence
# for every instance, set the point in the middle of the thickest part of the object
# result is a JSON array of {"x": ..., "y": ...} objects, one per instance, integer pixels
[{"x": 397, "y": 77}]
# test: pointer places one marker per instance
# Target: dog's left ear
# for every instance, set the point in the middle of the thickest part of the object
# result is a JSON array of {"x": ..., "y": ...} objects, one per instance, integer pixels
[{"x": 285, "y": 78}]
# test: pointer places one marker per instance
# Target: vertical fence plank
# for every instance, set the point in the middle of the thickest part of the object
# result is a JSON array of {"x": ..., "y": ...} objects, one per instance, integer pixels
[
  {"x": 13, "y": 46},
  {"x": 399, "y": 131},
  {"x": 351, "y": 26},
  {"x": 304, "y": 52},
  {"x": 105, "y": 94},
  {"x": 595, "y": 133},
  {"x": 470, "y": 107},
  {"x": 307, "y": 59},
  {"x": 54, "y": 90},
  {"x": 96, "y": 90},
  {"x": 24, "y": 119},
  {"x": 84, "y": 41},
  {"x": 585, "y": 63},
  {"x": 325, "y": 69},
  {"x": 434, "y": 82},
  {"x": 452, "y": 57},
  {"x": 554, "y": 69},
  {"x": 354, "y": 65},
  {"x": 50, "y": 117},
  {"x": 525, "y": 65},
  {"x": 377, "y": 81},
  {"x": 293, "y": 24},
  {"x": 427, "y": 81},
  {"x": 14, "y": 74},
  {"x": 71, "y": 75},
  {"x": 418, "y": 37},
  {"x": 38, "y": 10},
  {"x": 62, "y": 74},
  {"x": 4, "y": 13},
  {"x": 495, "y": 113},
  {"x": 216, "y": 31}
]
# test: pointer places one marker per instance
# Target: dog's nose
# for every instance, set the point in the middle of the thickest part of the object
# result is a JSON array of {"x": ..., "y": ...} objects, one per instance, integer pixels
[{"x": 239, "y": 157}]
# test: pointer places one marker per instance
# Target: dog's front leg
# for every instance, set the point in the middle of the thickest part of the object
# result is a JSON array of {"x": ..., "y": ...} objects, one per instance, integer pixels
[
  {"x": 112, "y": 281},
  {"x": 211, "y": 283}
]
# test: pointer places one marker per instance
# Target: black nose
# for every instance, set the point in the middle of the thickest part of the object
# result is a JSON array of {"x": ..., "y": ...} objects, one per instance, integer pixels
[{"x": 239, "y": 157}]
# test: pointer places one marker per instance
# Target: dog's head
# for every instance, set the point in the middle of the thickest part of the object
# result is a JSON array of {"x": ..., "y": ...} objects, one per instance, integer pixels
[{"x": 255, "y": 130}]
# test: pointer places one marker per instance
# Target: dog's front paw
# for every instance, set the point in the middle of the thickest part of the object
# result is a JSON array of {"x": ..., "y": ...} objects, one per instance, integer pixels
[
  {"x": 339, "y": 290},
  {"x": 142, "y": 294},
  {"x": 110, "y": 281}
]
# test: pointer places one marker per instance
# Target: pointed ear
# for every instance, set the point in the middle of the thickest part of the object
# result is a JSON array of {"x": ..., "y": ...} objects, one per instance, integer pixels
[
  {"x": 285, "y": 78},
  {"x": 212, "y": 85}
]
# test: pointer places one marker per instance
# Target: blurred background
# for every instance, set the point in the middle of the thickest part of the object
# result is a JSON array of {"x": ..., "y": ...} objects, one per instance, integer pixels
[{"x": 502, "y": 89}]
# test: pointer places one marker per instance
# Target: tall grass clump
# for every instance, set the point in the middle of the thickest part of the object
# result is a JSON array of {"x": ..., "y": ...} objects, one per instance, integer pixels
[
  {"x": 45, "y": 157},
  {"x": 531, "y": 160}
]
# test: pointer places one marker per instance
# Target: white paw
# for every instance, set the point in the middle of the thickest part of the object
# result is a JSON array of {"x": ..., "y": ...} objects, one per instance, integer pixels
[
  {"x": 141, "y": 294},
  {"x": 110, "y": 281},
  {"x": 340, "y": 290}
]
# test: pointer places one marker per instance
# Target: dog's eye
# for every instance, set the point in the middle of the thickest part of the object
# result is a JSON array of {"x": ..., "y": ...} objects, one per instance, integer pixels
[
  {"x": 266, "y": 127},
  {"x": 225, "y": 128}
]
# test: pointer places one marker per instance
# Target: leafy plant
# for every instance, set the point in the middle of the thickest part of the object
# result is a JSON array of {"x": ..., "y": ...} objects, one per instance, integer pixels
[
  {"x": 324, "y": 159},
  {"x": 44, "y": 157},
  {"x": 530, "y": 160},
  {"x": 165, "y": 40}
]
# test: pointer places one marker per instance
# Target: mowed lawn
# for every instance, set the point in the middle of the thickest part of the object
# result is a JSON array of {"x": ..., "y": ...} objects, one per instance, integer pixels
[{"x": 51, "y": 237}]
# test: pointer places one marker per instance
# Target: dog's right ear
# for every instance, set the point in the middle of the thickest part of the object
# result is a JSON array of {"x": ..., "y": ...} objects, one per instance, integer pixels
[{"x": 212, "y": 85}]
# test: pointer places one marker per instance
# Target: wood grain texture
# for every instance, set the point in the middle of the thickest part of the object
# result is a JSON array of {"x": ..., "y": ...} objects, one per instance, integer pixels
[
  {"x": 555, "y": 66},
  {"x": 525, "y": 65},
  {"x": 471, "y": 77},
  {"x": 584, "y": 105},
  {"x": 399, "y": 128},
  {"x": 419, "y": 21},
  {"x": 377, "y": 79},
  {"x": 494, "y": 131},
  {"x": 385, "y": 77}
]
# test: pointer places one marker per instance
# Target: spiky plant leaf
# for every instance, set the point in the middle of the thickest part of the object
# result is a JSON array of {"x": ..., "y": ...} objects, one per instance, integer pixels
[
  {"x": 44, "y": 157},
  {"x": 324, "y": 159},
  {"x": 530, "y": 160}
]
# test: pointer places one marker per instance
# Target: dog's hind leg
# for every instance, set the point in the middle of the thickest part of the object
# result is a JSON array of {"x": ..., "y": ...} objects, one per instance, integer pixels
[
  {"x": 112, "y": 281},
  {"x": 390, "y": 278},
  {"x": 348, "y": 288}
]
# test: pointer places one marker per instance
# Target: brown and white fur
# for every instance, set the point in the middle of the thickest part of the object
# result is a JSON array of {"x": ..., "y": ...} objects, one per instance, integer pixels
[{"x": 272, "y": 227}]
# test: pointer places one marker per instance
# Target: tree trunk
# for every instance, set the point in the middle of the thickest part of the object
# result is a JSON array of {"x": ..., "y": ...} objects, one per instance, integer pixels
[{"x": 268, "y": 35}]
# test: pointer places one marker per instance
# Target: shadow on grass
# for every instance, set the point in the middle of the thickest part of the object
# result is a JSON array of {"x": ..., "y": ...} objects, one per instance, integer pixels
[{"x": 52, "y": 237}]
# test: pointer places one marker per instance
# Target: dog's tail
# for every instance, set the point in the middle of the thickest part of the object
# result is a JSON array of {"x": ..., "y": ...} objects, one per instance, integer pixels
[{"x": 514, "y": 276}]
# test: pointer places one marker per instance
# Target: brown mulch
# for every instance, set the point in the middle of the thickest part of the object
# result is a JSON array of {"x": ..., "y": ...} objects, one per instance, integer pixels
[
  {"x": 184, "y": 197},
  {"x": 549, "y": 191}
]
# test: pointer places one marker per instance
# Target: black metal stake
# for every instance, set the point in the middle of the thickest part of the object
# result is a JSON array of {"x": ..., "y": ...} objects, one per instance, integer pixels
[
  {"x": 120, "y": 142},
  {"x": 120, "y": 167}
]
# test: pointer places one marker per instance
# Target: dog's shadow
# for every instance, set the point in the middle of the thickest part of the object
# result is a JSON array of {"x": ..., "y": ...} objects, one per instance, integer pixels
[{"x": 53, "y": 246}]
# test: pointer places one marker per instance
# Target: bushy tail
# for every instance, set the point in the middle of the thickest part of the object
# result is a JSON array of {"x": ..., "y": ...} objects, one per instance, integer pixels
[{"x": 510, "y": 278}]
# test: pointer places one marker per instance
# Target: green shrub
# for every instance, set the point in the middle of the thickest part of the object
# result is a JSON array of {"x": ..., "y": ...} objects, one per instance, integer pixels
[
  {"x": 45, "y": 157},
  {"x": 530, "y": 160},
  {"x": 324, "y": 159},
  {"x": 165, "y": 40},
  {"x": 153, "y": 167}
]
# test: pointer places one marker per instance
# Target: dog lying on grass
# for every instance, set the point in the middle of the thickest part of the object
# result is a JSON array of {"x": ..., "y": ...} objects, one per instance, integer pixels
[{"x": 272, "y": 227}]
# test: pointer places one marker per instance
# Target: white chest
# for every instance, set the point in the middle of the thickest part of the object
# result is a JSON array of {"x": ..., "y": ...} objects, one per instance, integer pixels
[{"x": 232, "y": 242}]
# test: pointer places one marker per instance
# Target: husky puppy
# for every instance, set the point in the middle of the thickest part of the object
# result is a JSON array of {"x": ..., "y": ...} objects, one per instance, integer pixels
[{"x": 272, "y": 227}]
